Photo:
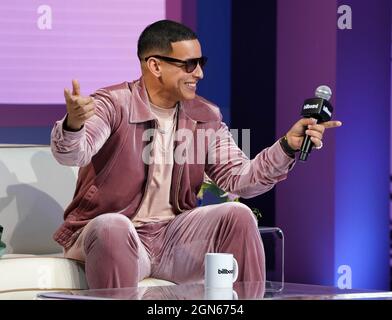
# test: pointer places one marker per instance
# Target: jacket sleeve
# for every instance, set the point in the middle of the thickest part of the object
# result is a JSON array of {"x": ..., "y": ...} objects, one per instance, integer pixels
[
  {"x": 234, "y": 172},
  {"x": 77, "y": 148}
]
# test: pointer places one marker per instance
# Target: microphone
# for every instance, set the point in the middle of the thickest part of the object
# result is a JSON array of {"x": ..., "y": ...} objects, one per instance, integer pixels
[{"x": 318, "y": 108}]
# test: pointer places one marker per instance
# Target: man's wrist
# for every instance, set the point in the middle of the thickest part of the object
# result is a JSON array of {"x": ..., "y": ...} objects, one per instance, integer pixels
[
  {"x": 286, "y": 147},
  {"x": 66, "y": 127}
]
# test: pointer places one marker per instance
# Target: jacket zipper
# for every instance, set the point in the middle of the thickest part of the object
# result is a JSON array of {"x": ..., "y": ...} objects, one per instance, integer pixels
[
  {"x": 178, "y": 189},
  {"x": 150, "y": 169},
  {"x": 179, "y": 179}
]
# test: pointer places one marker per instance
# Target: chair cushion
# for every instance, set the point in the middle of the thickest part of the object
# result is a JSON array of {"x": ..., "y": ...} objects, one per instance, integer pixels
[
  {"x": 152, "y": 282},
  {"x": 40, "y": 273},
  {"x": 23, "y": 276}
]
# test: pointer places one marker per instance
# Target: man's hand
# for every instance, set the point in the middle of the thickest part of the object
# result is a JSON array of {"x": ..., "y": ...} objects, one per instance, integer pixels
[
  {"x": 79, "y": 108},
  {"x": 308, "y": 126}
]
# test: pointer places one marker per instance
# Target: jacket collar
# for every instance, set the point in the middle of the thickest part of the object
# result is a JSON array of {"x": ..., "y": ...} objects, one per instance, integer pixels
[{"x": 196, "y": 109}]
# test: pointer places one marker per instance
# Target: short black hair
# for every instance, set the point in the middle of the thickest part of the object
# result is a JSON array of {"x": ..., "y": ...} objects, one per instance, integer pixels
[{"x": 159, "y": 36}]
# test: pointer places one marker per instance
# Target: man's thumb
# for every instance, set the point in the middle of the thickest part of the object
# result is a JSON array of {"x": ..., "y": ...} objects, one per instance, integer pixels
[{"x": 308, "y": 121}]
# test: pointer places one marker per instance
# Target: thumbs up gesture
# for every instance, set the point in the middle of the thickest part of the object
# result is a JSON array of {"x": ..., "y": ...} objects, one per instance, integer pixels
[{"x": 79, "y": 108}]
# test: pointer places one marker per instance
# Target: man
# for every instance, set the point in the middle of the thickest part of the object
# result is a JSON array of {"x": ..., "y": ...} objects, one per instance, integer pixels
[{"x": 134, "y": 211}]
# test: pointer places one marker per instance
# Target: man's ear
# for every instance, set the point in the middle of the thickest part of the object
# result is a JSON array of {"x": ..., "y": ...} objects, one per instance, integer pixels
[{"x": 154, "y": 66}]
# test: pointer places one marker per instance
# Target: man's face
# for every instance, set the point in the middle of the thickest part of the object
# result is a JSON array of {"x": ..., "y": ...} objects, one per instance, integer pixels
[{"x": 177, "y": 83}]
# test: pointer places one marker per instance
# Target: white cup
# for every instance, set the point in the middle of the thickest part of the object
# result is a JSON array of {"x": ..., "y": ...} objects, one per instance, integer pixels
[
  {"x": 220, "y": 294},
  {"x": 221, "y": 270}
]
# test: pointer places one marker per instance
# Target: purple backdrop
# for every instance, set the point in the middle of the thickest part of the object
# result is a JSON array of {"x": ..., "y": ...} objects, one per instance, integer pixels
[
  {"x": 304, "y": 202},
  {"x": 334, "y": 208}
]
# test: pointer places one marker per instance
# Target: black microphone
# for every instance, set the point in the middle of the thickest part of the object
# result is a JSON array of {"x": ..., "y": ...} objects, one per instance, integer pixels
[{"x": 318, "y": 108}]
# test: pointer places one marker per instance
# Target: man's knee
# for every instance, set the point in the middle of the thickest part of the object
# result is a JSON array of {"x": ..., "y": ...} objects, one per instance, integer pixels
[
  {"x": 241, "y": 214},
  {"x": 110, "y": 232}
]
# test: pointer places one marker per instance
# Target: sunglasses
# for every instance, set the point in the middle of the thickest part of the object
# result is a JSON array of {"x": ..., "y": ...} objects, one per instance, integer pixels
[{"x": 190, "y": 64}]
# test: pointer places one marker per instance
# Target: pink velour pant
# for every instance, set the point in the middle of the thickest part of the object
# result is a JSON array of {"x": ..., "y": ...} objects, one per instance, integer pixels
[{"x": 117, "y": 254}]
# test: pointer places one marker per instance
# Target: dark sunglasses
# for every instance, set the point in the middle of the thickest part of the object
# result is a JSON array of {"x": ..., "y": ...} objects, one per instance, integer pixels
[{"x": 190, "y": 64}]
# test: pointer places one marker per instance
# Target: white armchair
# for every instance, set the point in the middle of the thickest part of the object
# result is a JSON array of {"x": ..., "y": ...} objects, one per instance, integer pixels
[{"x": 34, "y": 190}]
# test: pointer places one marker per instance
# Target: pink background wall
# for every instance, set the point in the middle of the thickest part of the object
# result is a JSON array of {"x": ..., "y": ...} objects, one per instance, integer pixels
[{"x": 93, "y": 41}]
